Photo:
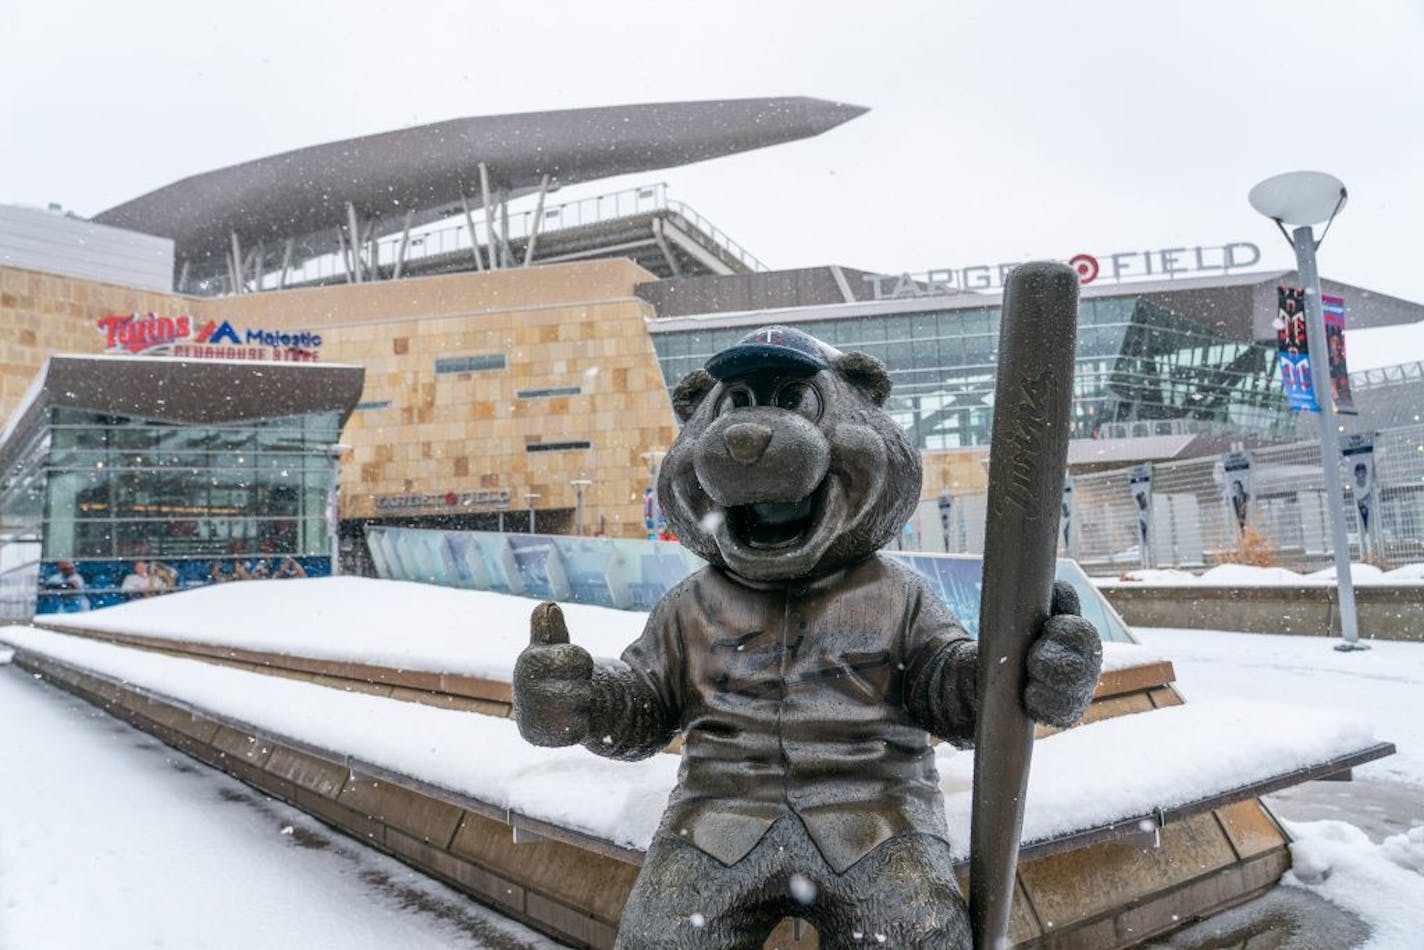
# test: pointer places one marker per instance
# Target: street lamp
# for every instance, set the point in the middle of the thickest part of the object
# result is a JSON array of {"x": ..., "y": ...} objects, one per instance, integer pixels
[
  {"x": 654, "y": 459},
  {"x": 333, "y": 512},
  {"x": 529, "y": 496},
  {"x": 580, "y": 484},
  {"x": 1301, "y": 200}
]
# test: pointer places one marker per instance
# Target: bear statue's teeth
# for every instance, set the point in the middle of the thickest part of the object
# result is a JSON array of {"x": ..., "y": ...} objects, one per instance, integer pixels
[
  {"x": 781, "y": 512},
  {"x": 772, "y": 524}
]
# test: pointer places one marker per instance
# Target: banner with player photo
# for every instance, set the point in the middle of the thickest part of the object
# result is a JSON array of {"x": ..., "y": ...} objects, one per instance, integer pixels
[
  {"x": 1234, "y": 479},
  {"x": 1334, "y": 308},
  {"x": 1293, "y": 349},
  {"x": 1139, "y": 480},
  {"x": 1358, "y": 452}
]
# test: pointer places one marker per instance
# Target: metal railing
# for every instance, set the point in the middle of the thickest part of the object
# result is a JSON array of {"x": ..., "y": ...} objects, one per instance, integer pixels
[
  {"x": 717, "y": 235},
  {"x": 1386, "y": 376},
  {"x": 1193, "y": 524},
  {"x": 452, "y": 235}
]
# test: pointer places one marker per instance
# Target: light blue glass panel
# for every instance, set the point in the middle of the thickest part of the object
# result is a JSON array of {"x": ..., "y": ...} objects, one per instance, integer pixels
[{"x": 633, "y": 574}]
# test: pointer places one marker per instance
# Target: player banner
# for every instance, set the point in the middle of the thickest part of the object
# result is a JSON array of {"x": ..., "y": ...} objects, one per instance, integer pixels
[
  {"x": 946, "y": 518},
  {"x": 1334, "y": 308},
  {"x": 1234, "y": 474},
  {"x": 1139, "y": 480},
  {"x": 1359, "y": 455},
  {"x": 1293, "y": 349}
]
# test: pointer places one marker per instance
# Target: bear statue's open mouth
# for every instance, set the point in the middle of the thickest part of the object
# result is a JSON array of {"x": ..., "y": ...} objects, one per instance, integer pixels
[{"x": 773, "y": 524}]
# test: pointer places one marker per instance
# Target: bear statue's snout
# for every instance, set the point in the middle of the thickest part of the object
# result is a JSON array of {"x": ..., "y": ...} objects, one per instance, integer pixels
[
  {"x": 746, "y": 441},
  {"x": 760, "y": 454}
]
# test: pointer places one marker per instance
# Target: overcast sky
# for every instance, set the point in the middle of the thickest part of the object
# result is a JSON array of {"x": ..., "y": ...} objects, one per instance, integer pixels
[{"x": 997, "y": 131}]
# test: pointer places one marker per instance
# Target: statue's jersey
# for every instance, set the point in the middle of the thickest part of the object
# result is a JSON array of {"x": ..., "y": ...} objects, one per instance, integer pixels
[{"x": 796, "y": 698}]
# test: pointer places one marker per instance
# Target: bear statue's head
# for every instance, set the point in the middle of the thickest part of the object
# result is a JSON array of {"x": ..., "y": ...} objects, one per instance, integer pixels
[{"x": 786, "y": 466}]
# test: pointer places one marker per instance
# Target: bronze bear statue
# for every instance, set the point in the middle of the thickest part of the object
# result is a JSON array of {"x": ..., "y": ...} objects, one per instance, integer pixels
[{"x": 805, "y": 673}]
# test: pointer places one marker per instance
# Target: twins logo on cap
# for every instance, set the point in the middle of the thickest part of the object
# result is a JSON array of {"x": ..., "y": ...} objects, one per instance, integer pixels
[{"x": 771, "y": 347}]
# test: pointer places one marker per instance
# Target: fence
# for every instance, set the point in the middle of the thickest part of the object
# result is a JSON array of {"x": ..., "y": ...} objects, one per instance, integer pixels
[{"x": 1193, "y": 523}]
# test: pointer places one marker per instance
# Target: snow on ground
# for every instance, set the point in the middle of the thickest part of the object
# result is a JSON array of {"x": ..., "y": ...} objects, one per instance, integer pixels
[
  {"x": 1340, "y": 863},
  {"x": 1245, "y": 575},
  {"x": 482, "y": 756},
  {"x": 1383, "y": 883},
  {"x": 1106, "y": 771},
  {"x": 110, "y": 839},
  {"x": 421, "y": 627},
  {"x": 1384, "y": 685}
]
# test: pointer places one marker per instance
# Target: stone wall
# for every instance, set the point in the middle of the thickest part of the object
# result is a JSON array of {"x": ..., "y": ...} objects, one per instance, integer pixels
[
  {"x": 577, "y": 367},
  {"x": 1383, "y": 612}
]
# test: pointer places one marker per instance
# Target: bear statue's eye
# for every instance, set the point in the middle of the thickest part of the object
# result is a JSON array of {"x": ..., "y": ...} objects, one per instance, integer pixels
[
  {"x": 737, "y": 396},
  {"x": 800, "y": 397}
]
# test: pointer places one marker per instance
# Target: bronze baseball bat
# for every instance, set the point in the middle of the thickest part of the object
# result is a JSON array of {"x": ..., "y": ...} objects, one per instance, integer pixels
[{"x": 1028, "y": 453}]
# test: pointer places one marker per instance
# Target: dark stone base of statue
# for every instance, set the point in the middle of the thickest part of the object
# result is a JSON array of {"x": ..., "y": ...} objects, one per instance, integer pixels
[{"x": 901, "y": 894}]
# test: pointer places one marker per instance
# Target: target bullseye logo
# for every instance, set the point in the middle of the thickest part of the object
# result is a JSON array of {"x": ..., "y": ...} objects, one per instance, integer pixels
[{"x": 1086, "y": 265}]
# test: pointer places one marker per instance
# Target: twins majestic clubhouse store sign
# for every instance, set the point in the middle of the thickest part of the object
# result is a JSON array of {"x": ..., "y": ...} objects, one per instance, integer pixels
[{"x": 194, "y": 338}]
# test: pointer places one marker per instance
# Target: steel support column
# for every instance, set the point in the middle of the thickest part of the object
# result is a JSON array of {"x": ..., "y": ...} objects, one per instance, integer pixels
[
  {"x": 489, "y": 215},
  {"x": 474, "y": 238},
  {"x": 345, "y": 257},
  {"x": 538, "y": 221},
  {"x": 405, "y": 243},
  {"x": 505, "y": 257},
  {"x": 286, "y": 262},
  {"x": 663, "y": 246},
  {"x": 234, "y": 265},
  {"x": 354, "y": 232}
]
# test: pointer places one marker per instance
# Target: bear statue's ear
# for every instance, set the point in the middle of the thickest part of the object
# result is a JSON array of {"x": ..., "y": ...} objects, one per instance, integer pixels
[
  {"x": 690, "y": 392},
  {"x": 867, "y": 373}
]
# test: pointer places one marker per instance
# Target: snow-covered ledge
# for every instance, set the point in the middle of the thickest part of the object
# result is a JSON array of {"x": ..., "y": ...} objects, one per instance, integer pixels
[{"x": 1117, "y": 772}]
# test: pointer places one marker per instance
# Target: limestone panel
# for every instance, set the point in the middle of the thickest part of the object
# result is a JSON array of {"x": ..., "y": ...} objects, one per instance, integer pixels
[
  {"x": 424, "y": 818},
  {"x": 588, "y": 880},
  {"x": 1250, "y": 829},
  {"x": 569, "y": 921},
  {"x": 239, "y": 745},
  {"x": 1089, "y": 882},
  {"x": 307, "y": 771}
]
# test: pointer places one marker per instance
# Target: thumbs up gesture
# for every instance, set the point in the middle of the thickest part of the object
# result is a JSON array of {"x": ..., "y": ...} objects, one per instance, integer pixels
[{"x": 552, "y": 683}]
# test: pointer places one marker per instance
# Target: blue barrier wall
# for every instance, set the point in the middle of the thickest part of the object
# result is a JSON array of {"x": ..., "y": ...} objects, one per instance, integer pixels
[{"x": 632, "y": 574}]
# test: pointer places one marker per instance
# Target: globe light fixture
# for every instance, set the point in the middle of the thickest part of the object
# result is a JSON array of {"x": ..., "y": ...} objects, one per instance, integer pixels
[
  {"x": 1303, "y": 199},
  {"x": 1299, "y": 198}
]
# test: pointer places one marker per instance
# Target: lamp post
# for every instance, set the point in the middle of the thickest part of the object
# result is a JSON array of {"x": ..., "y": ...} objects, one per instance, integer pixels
[
  {"x": 1302, "y": 200},
  {"x": 580, "y": 484},
  {"x": 654, "y": 459},
  {"x": 529, "y": 496},
  {"x": 333, "y": 513}
]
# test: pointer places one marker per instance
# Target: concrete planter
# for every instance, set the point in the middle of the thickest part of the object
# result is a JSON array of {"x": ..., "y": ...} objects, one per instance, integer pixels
[{"x": 1386, "y": 612}]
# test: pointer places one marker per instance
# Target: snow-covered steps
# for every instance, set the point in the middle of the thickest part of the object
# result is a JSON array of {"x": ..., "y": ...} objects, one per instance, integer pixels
[
  {"x": 441, "y": 789},
  {"x": 446, "y": 647}
]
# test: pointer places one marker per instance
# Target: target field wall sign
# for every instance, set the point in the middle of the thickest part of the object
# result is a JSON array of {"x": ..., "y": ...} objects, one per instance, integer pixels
[{"x": 1118, "y": 266}]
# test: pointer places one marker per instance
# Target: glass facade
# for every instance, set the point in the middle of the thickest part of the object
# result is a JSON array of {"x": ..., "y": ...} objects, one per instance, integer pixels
[
  {"x": 1141, "y": 370},
  {"x": 117, "y": 507}
]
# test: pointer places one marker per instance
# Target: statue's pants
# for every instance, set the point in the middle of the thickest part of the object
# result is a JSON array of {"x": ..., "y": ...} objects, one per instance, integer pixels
[{"x": 902, "y": 894}]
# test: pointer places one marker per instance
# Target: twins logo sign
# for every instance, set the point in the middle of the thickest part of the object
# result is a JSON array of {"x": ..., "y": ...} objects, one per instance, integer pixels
[{"x": 191, "y": 337}]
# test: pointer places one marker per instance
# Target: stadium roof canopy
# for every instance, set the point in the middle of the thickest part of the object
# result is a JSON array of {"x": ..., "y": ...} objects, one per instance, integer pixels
[{"x": 430, "y": 169}]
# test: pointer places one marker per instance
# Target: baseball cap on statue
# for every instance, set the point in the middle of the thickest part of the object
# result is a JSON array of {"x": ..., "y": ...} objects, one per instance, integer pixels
[{"x": 773, "y": 346}]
